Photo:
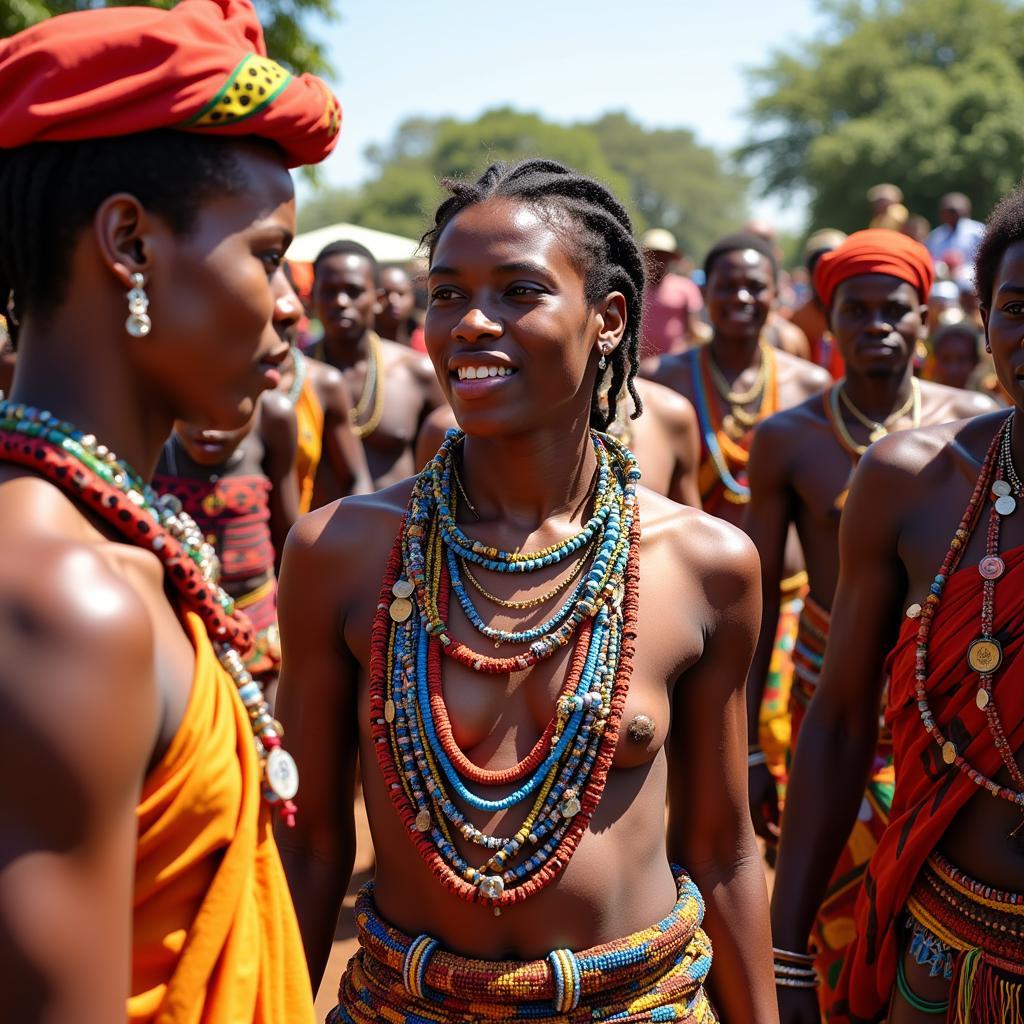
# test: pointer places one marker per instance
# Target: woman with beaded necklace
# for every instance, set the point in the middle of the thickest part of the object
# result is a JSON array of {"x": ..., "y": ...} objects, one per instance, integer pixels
[
  {"x": 139, "y": 879},
  {"x": 529, "y": 682}
]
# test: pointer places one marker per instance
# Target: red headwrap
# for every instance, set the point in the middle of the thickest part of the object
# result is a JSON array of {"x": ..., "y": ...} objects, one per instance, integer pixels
[
  {"x": 875, "y": 251},
  {"x": 200, "y": 67}
]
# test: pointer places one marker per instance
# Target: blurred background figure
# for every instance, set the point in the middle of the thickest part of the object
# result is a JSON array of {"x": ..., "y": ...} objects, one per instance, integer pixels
[
  {"x": 810, "y": 317},
  {"x": 672, "y": 302},
  {"x": 956, "y": 353},
  {"x": 917, "y": 227},
  {"x": 398, "y": 303},
  {"x": 887, "y": 209},
  {"x": 943, "y": 300},
  {"x": 957, "y": 234}
]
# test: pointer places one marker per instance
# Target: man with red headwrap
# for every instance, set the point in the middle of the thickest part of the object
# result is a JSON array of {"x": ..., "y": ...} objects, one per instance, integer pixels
[
  {"x": 874, "y": 287},
  {"x": 145, "y": 209}
]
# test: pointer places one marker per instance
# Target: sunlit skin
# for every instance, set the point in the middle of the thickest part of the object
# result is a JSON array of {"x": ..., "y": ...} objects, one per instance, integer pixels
[
  {"x": 347, "y": 301},
  {"x": 97, "y": 687},
  {"x": 798, "y": 468},
  {"x": 505, "y": 291},
  {"x": 956, "y": 358},
  {"x": 397, "y": 302},
  {"x": 889, "y": 552}
]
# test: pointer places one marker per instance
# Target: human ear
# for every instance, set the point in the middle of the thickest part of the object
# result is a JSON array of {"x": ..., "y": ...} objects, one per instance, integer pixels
[
  {"x": 612, "y": 317},
  {"x": 983, "y": 310},
  {"x": 124, "y": 234}
]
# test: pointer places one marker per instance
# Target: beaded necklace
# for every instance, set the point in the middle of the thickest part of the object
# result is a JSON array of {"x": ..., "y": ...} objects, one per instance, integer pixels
[
  {"x": 300, "y": 368},
  {"x": 562, "y": 778},
  {"x": 721, "y": 448},
  {"x": 373, "y": 389},
  {"x": 94, "y": 476},
  {"x": 999, "y": 478}
]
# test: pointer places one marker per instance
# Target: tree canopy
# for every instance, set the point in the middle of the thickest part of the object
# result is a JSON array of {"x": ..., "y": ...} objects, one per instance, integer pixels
[
  {"x": 926, "y": 94},
  {"x": 664, "y": 177},
  {"x": 285, "y": 24}
]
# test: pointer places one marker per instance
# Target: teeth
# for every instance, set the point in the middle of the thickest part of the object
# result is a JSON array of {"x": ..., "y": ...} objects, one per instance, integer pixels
[{"x": 479, "y": 372}]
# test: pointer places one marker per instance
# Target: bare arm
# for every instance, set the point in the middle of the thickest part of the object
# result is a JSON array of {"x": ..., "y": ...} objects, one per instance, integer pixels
[
  {"x": 346, "y": 459},
  {"x": 709, "y": 828},
  {"x": 80, "y": 713},
  {"x": 766, "y": 522},
  {"x": 316, "y": 702},
  {"x": 431, "y": 434},
  {"x": 680, "y": 422},
  {"x": 840, "y": 732},
  {"x": 280, "y": 445}
]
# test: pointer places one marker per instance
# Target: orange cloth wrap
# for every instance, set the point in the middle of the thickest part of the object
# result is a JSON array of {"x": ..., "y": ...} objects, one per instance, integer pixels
[
  {"x": 930, "y": 793},
  {"x": 199, "y": 67},
  {"x": 309, "y": 417},
  {"x": 875, "y": 251},
  {"x": 215, "y": 940}
]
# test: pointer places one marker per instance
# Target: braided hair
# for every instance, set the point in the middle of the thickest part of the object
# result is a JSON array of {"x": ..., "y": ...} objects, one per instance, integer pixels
[
  {"x": 603, "y": 248},
  {"x": 49, "y": 191}
]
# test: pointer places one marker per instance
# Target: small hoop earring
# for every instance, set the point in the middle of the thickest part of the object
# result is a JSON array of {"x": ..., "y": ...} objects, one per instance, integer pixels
[
  {"x": 138, "y": 324},
  {"x": 602, "y": 363}
]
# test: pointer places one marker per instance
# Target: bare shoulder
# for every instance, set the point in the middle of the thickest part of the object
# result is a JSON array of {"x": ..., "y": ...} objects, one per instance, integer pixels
[
  {"x": 669, "y": 407},
  {"x": 671, "y": 371},
  {"x": 813, "y": 379},
  {"x": 347, "y": 541},
  {"x": 955, "y": 403},
  {"x": 781, "y": 436},
  {"x": 398, "y": 355},
  {"x": 720, "y": 556},
  {"x": 276, "y": 414}
]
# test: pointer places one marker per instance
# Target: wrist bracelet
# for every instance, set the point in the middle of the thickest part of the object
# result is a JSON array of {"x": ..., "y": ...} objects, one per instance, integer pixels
[
  {"x": 795, "y": 972},
  {"x": 755, "y": 758},
  {"x": 788, "y": 956},
  {"x": 794, "y": 983}
]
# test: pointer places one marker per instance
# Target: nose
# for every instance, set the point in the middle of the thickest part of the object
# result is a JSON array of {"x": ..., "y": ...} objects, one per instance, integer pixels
[
  {"x": 475, "y": 325},
  {"x": 287, "y": 309},
  {"x": 744, "y": 296},
  {"x": 880, "y": 325}
]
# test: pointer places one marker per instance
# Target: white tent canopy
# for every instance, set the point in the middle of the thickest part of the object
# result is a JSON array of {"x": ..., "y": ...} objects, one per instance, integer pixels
[{"x": 387, "y": 248}]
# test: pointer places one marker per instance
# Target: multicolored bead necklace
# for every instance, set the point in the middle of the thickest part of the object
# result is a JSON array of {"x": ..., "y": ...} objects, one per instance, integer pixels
[
  {"x": 95, "y": 477},
  {"x": 998, "y": 481},
  {"x": 562, "y": 778},
  {"x": 715, "y": 424}
]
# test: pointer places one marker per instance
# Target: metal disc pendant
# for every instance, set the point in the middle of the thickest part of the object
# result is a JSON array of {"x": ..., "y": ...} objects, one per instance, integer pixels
[
  {"x": 1001, "y": 489},
  {"x": 949, "y": 752},
  {"x": 281, "y": 774},
  {"x": 1006, "y": 505},
  {"x": 991, "y": 567},
  {"x": 982, "y": 698},
  {"x": 423, "y": 821},
  {"x": 985, "y": 655},
  {"x": 389, "y": 711},
  {"x": 402, "y": 588},
  {"x": 401, "y": 609},
  {"x": 914, "y": 611}
]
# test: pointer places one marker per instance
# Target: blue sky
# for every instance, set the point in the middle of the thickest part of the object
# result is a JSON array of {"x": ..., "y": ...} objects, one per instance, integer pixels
[{"x": 667, "y": 64}]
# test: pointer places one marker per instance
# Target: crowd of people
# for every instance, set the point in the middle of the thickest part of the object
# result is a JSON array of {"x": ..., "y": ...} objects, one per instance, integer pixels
[{"x": 613, "y": 587}]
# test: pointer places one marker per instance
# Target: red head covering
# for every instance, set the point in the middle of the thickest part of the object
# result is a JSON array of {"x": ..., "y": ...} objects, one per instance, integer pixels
[
  {"x": 875, "y": 251},
  {"x": 200, "y": 67}
]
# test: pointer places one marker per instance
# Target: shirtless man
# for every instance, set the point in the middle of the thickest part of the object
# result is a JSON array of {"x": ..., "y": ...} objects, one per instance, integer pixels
[
  {"x": 663, "y": 438},
  {"x": 398, "y": 300},
  {"x": 734, "y": 382},
  {"x": 927, "y": 544},
  {"x": 392, "y": 389},
  {"x": 874, "y": 289}
]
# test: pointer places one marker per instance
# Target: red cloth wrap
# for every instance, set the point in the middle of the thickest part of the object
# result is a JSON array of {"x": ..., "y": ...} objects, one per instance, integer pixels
[
  {"x": 122, "y": 70},
  {"x": 930, "y": 793},
  {"x": 875, "y": 251}
]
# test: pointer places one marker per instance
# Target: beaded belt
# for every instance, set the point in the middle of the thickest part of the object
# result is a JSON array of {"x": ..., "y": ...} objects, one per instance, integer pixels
[{"x": 655, "y": 974}]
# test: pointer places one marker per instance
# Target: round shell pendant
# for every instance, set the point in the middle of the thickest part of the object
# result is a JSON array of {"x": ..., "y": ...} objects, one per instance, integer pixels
[
  {"x": 570, "y": 808},
  {"x": 991, "y": 567},
  {"x": 1001, "y": 489},
  {"x": 985, "y": 655},
  {"x": 1006, "y": 505},
  {"x": 402, "y": 588},
  {"x": 492, "y": 886},
  {"x": 949, "y": 751},
  {"x": 982, "y": 698},
  {"x": 389, "y": 711},
  {"x": 281, "y": 774},
  {"x": 401, "y": 609},
  {"x": 423, "y": 821},
  {"x": 914, "y": 611}
]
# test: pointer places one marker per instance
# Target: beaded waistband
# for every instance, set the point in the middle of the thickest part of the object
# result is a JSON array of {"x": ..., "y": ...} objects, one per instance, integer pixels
[
  {"x": 398, "y": 977},
  {"x": 965, "y": 914},
  {"x": 809, "y": 649}
]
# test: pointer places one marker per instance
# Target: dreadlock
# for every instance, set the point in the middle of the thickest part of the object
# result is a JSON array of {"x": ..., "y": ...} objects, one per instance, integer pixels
[
  {"x": 49, "y": 191},
  {"x": 603, "y": 248}
]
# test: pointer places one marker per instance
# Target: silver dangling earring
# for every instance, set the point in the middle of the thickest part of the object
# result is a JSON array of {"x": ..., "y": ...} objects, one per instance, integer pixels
[
  {"x": 138, "y": 324},
  {"x": 602, "y": 363}
]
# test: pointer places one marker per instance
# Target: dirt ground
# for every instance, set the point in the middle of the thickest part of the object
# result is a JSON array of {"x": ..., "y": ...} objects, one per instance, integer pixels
[{"x": 345, "y": 936}]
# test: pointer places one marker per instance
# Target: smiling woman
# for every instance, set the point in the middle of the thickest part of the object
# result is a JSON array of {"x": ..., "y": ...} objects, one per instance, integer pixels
[
  {"x": 137, "y": 268},
  {"x": 532, "y": 680}
]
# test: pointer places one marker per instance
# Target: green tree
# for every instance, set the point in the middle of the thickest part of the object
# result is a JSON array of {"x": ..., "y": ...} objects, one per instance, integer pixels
[
  {"x": 928, "y": 94},
  {"x": 675, "y": 182},
  {"x": 285, "y": 24},
  {"x": 663, "y": 177}
]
